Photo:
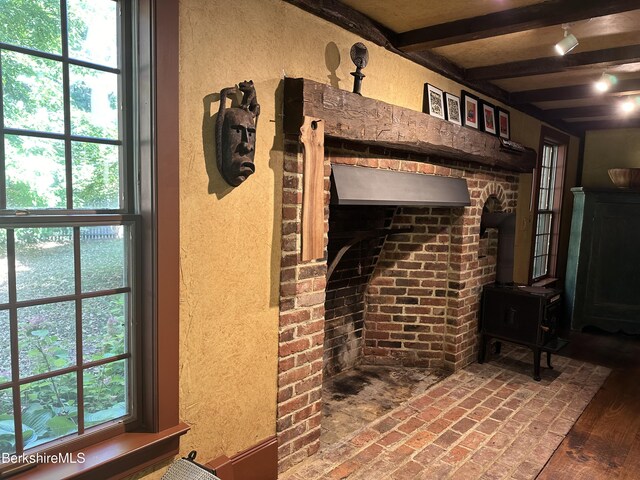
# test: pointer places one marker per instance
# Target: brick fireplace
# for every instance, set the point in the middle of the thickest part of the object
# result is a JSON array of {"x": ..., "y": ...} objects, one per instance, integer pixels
[{"x": 408, "y": 299}]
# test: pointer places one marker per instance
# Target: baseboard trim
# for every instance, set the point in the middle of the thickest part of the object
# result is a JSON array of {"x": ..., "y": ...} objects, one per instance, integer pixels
[{"x": 259, "y": 462}]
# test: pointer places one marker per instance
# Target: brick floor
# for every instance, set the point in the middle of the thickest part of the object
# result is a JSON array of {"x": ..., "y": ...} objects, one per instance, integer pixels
[{"x": 489, "y": 422}]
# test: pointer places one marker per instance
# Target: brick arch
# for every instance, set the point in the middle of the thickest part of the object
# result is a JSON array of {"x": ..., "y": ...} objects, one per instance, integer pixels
[
  {"x": 495, "y": 190},
  {"x": 468, "y": 273}
]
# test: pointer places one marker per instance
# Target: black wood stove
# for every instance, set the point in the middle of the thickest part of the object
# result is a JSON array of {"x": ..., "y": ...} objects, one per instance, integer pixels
[{"x": 524, "y": 315}]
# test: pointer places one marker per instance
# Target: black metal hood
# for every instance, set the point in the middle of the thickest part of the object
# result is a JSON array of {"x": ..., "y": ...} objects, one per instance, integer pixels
[{"x": 352, "y": 185}]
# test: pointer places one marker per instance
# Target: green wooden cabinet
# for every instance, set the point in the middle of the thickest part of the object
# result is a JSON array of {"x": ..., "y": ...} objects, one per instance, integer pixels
[{"x": 603, "y": 269}]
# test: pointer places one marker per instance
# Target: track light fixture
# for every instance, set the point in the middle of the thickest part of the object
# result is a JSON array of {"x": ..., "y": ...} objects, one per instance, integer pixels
[
  {"x": 568, "y": 43},
  {"x": 605, "y": 82},
  {"x": 628, "y": 106}
]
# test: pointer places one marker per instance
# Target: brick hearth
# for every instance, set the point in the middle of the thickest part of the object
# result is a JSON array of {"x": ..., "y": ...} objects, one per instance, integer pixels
[{"x": 489, "y": 421}]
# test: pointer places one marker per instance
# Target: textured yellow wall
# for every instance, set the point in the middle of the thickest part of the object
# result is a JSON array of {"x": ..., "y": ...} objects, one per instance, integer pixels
[
  {"x": 525, "y": 130},
  {"x": 605, "y": 149},
  {"x": 230, "y": 238}
]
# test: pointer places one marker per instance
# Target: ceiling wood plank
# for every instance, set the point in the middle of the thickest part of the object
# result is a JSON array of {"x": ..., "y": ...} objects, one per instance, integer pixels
[
  {"x": 551, "y": 12},
  {"x": 346, "y": 17},
  {"x": 608, "y": 124},
  {"x": 584, "y": 112},
  {"x": 572, "y": 92},
  {"x": 539, "y": 66}
]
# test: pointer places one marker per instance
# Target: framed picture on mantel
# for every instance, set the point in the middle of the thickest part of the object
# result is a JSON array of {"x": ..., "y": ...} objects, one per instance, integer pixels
[
  {"x": 470, "y": 110},
  {"x": 489, "y": 118},
  {"x": 452, "y": 108},
  {"x": 503, "y": 123},
  {"x": 435, "y": 101}
]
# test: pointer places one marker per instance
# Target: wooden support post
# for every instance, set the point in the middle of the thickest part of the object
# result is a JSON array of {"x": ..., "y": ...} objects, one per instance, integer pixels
[{"x": 312, "y": 139}]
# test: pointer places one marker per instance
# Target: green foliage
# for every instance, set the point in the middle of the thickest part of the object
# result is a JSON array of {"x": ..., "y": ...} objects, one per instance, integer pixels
[
  {"x": 104, "y": 393},
  {"x": 50, "y": 410},
  {"x": 30, "y": 239},
  {"x": 39, "y": 426},
  {"x": 8, "y": 436},
  {"x": 80, "y": 95},
  {"x": 36, "y": 178},
  {"x": 96, "y": 176},
  {"x": 35, "y": 172},
  {"x": 33, "y": 99},
  {"x": 116, "y": 411},
  {"x": 21, "y": 193},
  {"x": 49, "y": 407},
  {"x": 31, "y": 23}
]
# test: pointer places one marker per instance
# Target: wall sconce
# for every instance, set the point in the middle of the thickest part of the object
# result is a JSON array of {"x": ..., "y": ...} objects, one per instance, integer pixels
[
  {"x": 605, "y": 82},
  {"x": 568, "y": 43}
]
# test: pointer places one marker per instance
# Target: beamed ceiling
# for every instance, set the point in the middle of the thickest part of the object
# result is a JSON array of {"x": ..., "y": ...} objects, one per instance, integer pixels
[{"x": 505, "y": 49}]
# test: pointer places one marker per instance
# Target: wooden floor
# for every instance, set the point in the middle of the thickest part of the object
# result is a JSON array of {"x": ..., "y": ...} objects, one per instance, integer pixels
[{"x": 605, "y": 441}]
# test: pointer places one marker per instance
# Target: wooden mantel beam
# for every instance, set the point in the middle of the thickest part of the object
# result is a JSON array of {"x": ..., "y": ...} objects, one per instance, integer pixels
[{"x": 351, "y": 117}]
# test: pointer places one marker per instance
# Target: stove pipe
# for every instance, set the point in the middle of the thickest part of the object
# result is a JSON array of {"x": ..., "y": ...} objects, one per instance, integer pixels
[{"x": 506, "y": 225}]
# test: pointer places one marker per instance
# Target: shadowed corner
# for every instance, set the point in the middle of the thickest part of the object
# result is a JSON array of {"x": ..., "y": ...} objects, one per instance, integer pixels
[
  {"x": 276, "y": 164},
  {"x": 217, "y": 184},
  {"x": 332, "y": 62}
]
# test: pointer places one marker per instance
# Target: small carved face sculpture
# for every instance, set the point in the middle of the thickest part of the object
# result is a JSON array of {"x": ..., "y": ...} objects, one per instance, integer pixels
[{"x": 238, "y": 146}]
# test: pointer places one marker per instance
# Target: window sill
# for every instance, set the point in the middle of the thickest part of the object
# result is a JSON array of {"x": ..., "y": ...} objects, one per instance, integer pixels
[{"x": 114, "y": 458}]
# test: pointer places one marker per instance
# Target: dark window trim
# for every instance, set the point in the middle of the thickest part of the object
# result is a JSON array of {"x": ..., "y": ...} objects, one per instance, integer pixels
[
  {"x": 163, "y": 213},
  {"x": 549, "y": 135},
  {"x": 158, "y": 437}
]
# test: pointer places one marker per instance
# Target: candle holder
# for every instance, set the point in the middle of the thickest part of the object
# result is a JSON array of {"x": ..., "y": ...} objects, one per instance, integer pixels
[{"x": 360, "y": 57}]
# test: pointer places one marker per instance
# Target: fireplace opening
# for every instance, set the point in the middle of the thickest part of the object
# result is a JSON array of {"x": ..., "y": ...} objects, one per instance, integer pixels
[
  {"x": 345, "y": 292},
  {"x": 375, "y": 345},
  {"x": 389, "y": 292},
  {"x": 388, "y": 296},
  {"x": 393, "y": 306}
]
